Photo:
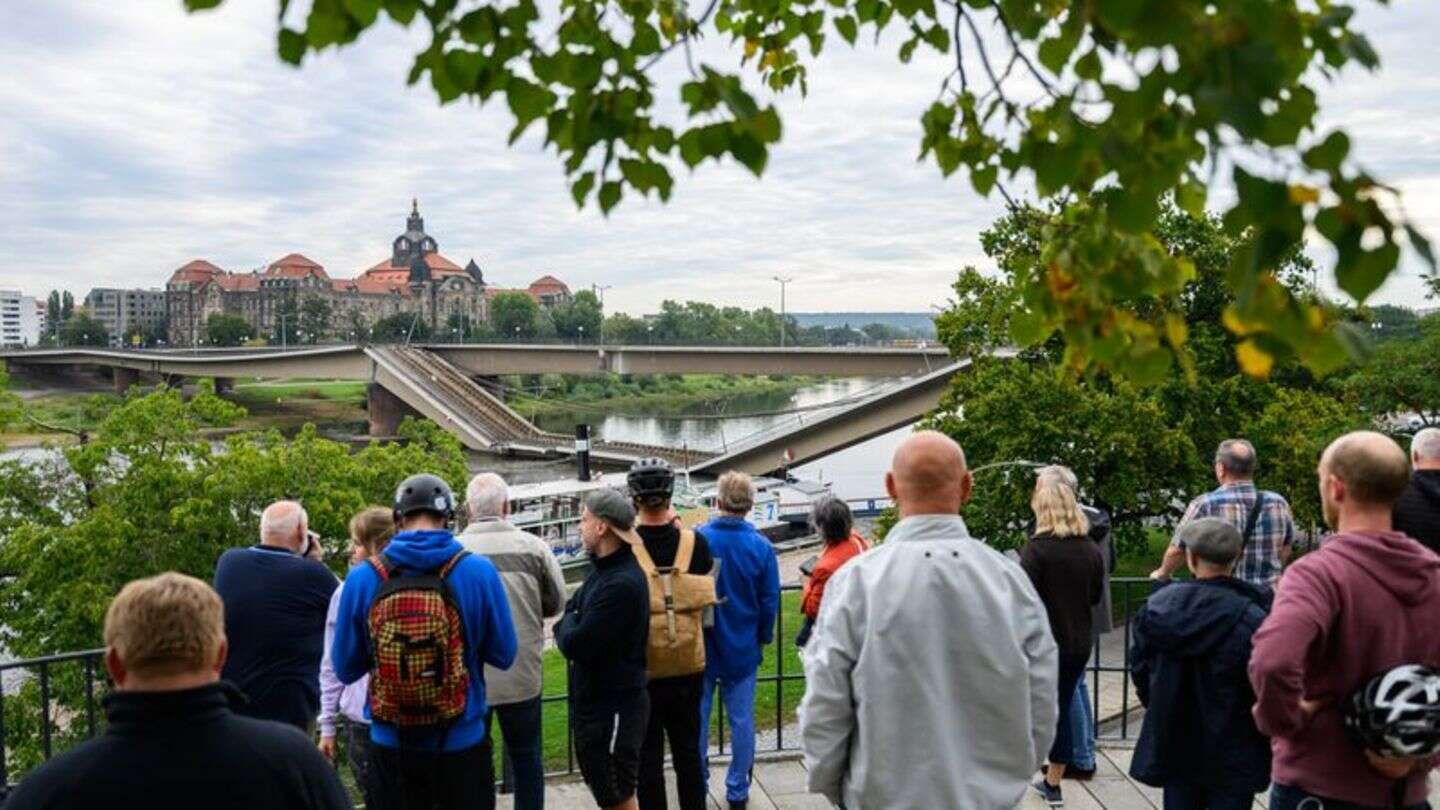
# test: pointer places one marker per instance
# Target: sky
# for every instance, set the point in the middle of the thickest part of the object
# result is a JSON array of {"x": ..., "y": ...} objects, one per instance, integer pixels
[{"x": 135, "y": 137}]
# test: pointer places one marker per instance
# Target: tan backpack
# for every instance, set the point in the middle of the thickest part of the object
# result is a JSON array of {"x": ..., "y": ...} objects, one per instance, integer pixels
[{"x": 678, "y": 600}]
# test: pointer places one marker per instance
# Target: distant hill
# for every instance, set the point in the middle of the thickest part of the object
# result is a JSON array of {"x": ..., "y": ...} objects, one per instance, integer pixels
[{"x": 921, "y": 323}]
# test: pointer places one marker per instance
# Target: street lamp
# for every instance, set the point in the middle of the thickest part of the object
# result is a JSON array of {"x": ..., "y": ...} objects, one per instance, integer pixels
[
  {"x": 783, "y": 281},
  {"x": 582, "y": 333},
  {"x": 650, "y": 333}
]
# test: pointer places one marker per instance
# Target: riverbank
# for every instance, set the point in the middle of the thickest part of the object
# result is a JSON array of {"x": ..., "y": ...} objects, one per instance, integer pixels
[{"x": 553, "y": 394}]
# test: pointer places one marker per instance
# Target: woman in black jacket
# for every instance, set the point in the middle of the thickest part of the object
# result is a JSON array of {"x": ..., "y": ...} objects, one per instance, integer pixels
[{"x": 1068, "y": 572}]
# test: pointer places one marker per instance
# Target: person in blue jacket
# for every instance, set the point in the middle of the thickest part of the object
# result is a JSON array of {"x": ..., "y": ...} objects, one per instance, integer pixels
[
  {"x": 748, "y": 585},
  {"x": 448, "y": 767}
]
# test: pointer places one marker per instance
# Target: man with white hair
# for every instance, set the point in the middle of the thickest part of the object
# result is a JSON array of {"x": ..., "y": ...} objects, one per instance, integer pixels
[
  {"x": 1417, "y": 513},
  {"x": 535, "y": 588},
  {"x": 276, "y": 595}
]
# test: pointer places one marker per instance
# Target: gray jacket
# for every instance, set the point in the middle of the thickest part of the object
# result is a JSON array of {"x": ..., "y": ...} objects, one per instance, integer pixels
[
  {"x": 930, "y": 677},
  {"x": 535, "y": 589}
]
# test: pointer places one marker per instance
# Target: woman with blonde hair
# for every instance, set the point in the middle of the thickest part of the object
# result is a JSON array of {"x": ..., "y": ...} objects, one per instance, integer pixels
[
  {"x": 370, "y": 531},
  {"x": 1068, "y": 572}
]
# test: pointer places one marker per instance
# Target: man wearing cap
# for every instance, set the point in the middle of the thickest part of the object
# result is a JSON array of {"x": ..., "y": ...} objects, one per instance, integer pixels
[
  {"x": 449, "y": 767},
  {"x": 604, "y": 633}
]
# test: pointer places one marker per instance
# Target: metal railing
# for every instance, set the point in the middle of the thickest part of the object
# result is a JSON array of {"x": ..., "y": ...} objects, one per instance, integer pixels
[{"x": 79, "y": 722}]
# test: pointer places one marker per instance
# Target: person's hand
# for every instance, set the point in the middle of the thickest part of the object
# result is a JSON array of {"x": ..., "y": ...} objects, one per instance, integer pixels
[
  {"x": 1392, "y": 767},
  {"x": 327, "y": 747},
  {"x": 1159, "y": 575},
  {"x": 314, "y": 549}
]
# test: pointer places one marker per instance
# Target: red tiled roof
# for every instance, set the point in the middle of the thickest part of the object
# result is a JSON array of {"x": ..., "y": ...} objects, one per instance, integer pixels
[
  {"x": 196, "y": 270},
  {"x": 370, "y": 286},
  {"x": 295, "y": 265},
  {"x": 236, "y": 282},
  {"x": 439, "y": 265},
  {"x": 548, "y": 284}
]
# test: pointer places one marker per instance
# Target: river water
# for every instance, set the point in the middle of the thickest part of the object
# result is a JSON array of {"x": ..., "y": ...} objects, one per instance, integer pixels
[{"x": 855, "y": 472}]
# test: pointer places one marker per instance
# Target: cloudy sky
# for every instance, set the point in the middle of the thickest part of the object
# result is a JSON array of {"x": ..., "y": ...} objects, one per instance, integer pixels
[{"x": 135, "y": 138}]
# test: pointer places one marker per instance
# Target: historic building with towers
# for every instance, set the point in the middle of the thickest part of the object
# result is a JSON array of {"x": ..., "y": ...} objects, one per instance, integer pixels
[{"x": 294, "y": 291}]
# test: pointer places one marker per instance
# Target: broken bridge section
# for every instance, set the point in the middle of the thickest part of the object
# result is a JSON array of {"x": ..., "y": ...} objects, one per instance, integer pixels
[{"x": 408, "y": 380}]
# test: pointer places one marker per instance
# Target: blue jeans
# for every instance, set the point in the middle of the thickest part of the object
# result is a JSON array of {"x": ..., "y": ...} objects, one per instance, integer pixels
[
  {"x": 739, "y": 698},
  {"x": 1082, "y": 729},
  {"x": 520, "y": 726},
  {"x": 1188, "y": 797},
  {"x": 1284, "y": 797}
]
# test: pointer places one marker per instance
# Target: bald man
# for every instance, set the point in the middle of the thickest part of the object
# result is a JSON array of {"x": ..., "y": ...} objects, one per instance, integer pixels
[
  {"x": 931, "y": 674},
  {"x": 276, "y": 596},
  {"x": 1366, "y": 602}
]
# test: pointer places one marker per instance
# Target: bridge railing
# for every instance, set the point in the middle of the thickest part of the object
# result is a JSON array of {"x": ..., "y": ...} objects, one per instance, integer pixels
[{"x": 40, "y": 715}]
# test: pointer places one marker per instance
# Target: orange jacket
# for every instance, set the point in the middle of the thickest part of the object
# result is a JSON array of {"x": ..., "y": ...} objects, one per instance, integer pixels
[{"x": 830, "y": 561}]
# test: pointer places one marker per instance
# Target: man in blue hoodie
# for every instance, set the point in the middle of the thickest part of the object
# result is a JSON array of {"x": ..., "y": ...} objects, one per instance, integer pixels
[
  {"x": 748, "y": 585},
  {"x": 1191, "y": 645},
  {"x": 447, "y": 766}
]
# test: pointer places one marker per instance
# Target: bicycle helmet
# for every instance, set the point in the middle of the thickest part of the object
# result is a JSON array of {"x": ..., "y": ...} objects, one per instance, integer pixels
[
  {"x": 424, "y": 493},
  {"x": 1397, "y": 713},
  {"x": 651, "y": 478}
]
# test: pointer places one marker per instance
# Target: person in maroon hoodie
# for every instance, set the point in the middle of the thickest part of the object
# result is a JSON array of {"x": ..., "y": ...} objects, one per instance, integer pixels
[{"x": 1367, "y": 601}]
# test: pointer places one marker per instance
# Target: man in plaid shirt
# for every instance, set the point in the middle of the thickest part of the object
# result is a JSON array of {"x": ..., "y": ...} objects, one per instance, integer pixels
[{"x": 1268, "y": 546}]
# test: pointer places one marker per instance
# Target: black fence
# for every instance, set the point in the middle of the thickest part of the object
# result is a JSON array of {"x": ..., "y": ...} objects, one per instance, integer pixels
[{"x": 68, "y": 712}]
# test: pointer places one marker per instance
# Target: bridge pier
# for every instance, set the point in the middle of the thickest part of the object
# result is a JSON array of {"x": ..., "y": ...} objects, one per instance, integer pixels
[
  {"x": 124, "y": 378},
  {"x": 386, "y": 410}
]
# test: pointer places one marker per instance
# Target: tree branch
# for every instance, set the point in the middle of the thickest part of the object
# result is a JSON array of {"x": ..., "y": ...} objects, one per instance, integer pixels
[{"x": 1015, "y": 46}]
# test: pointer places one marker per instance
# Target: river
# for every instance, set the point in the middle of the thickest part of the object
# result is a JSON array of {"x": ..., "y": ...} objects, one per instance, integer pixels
[{"x": 855, "y": 472}]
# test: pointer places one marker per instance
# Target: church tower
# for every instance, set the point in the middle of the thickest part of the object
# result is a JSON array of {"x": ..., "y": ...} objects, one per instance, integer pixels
[{"x": 414, "y": 243}]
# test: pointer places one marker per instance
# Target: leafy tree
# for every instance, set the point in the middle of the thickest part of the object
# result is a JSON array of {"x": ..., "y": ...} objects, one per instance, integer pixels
[
  {"x": 1403, "y": 377},
  {"x": 1387, "y": 322},
  {"x": 622, "y": 328},
  {"x": 579, "y": 319},
  {"x": 1139, "y": 452},
  {"x": 52, "y": 312},
  {"x": 156, "y": 333},
  {"x": 67, "y": 306},
  {"x": 224, "y": 329},
  {"x": 9, "y": 402},
  {"x": 315, "y": 314},
  {"x": 401, "y": 326},
  {"x": 514, "y": 315},
  {"x": 356, "y": 324},
  {"x": 1114, "y": 97},
  {"x": 82, "y": 330}
]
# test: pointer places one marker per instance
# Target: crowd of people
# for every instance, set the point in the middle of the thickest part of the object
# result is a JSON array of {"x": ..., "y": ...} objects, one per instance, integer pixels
[{"x": 940, "y": 673}]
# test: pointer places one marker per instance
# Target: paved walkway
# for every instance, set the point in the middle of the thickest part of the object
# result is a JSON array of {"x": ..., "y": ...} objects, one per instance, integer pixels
[{"x": 780, "y": 785}]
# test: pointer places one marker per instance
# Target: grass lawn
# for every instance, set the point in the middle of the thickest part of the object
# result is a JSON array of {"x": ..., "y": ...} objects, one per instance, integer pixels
[{"x": 350, "y": 392}]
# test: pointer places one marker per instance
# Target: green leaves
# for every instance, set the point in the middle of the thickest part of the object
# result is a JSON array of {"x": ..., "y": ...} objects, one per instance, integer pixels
[{"x": 1127, "y": 100}]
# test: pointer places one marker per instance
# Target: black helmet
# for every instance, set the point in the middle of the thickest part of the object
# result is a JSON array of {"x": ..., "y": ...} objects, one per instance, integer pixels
[
  {"x": 1397, "y": 713},
  {"x": 651, "y": 478},
  {"x": 424, "y": 493}
]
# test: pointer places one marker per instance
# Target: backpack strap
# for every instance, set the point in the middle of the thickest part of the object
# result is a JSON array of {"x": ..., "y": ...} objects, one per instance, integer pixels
[
  {"x": 382, "y": 565},
  {"x": 642, "y": 556},
  {"x": 685, "y": 551},
  {"x": 452, "y": 562},
  {"x": 1252, "y": 519}
]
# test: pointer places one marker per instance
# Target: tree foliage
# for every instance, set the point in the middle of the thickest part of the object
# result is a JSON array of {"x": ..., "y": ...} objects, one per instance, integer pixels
[
  {"x": 1139, "y": 451},
  {"x": 579, "y": 319},
  {"x": 315, "y": 318},
  {"x": 1403, "y": 377},
  {"x": 80, "y": 329},
  {"x": 401, "y": 326},
  {"x": 1108, "y": 108},
  {"x": 515, "y": 315},
  {"x": 224, "y": 329}
]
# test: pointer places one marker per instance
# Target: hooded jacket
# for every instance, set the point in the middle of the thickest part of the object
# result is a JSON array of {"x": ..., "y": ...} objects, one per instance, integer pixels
[
  {"x": 1362, "y": 604},
  {"x": 1189, "y": 648},
  {"x": 1417, "y": 513},
  {"x": 931, "y": 676},
  {"x": 489, "y": 631},
  {"x": 748, "y": 585}
]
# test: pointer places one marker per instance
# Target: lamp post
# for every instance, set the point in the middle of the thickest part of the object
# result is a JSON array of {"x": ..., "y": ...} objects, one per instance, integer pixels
[
  {"x": 783, "y": 281},
  {"x": 581, "y": 339}
]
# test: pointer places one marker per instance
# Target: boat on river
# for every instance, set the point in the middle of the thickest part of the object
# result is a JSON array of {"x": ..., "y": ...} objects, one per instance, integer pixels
[{"x": 551, "y": 509}]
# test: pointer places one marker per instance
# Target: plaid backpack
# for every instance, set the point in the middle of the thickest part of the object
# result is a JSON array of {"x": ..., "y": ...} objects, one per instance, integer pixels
[{"x": 418, "y": 677}]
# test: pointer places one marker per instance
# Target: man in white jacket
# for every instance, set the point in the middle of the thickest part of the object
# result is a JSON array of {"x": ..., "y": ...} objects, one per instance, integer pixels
[{"x": 931, "y": 674}]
